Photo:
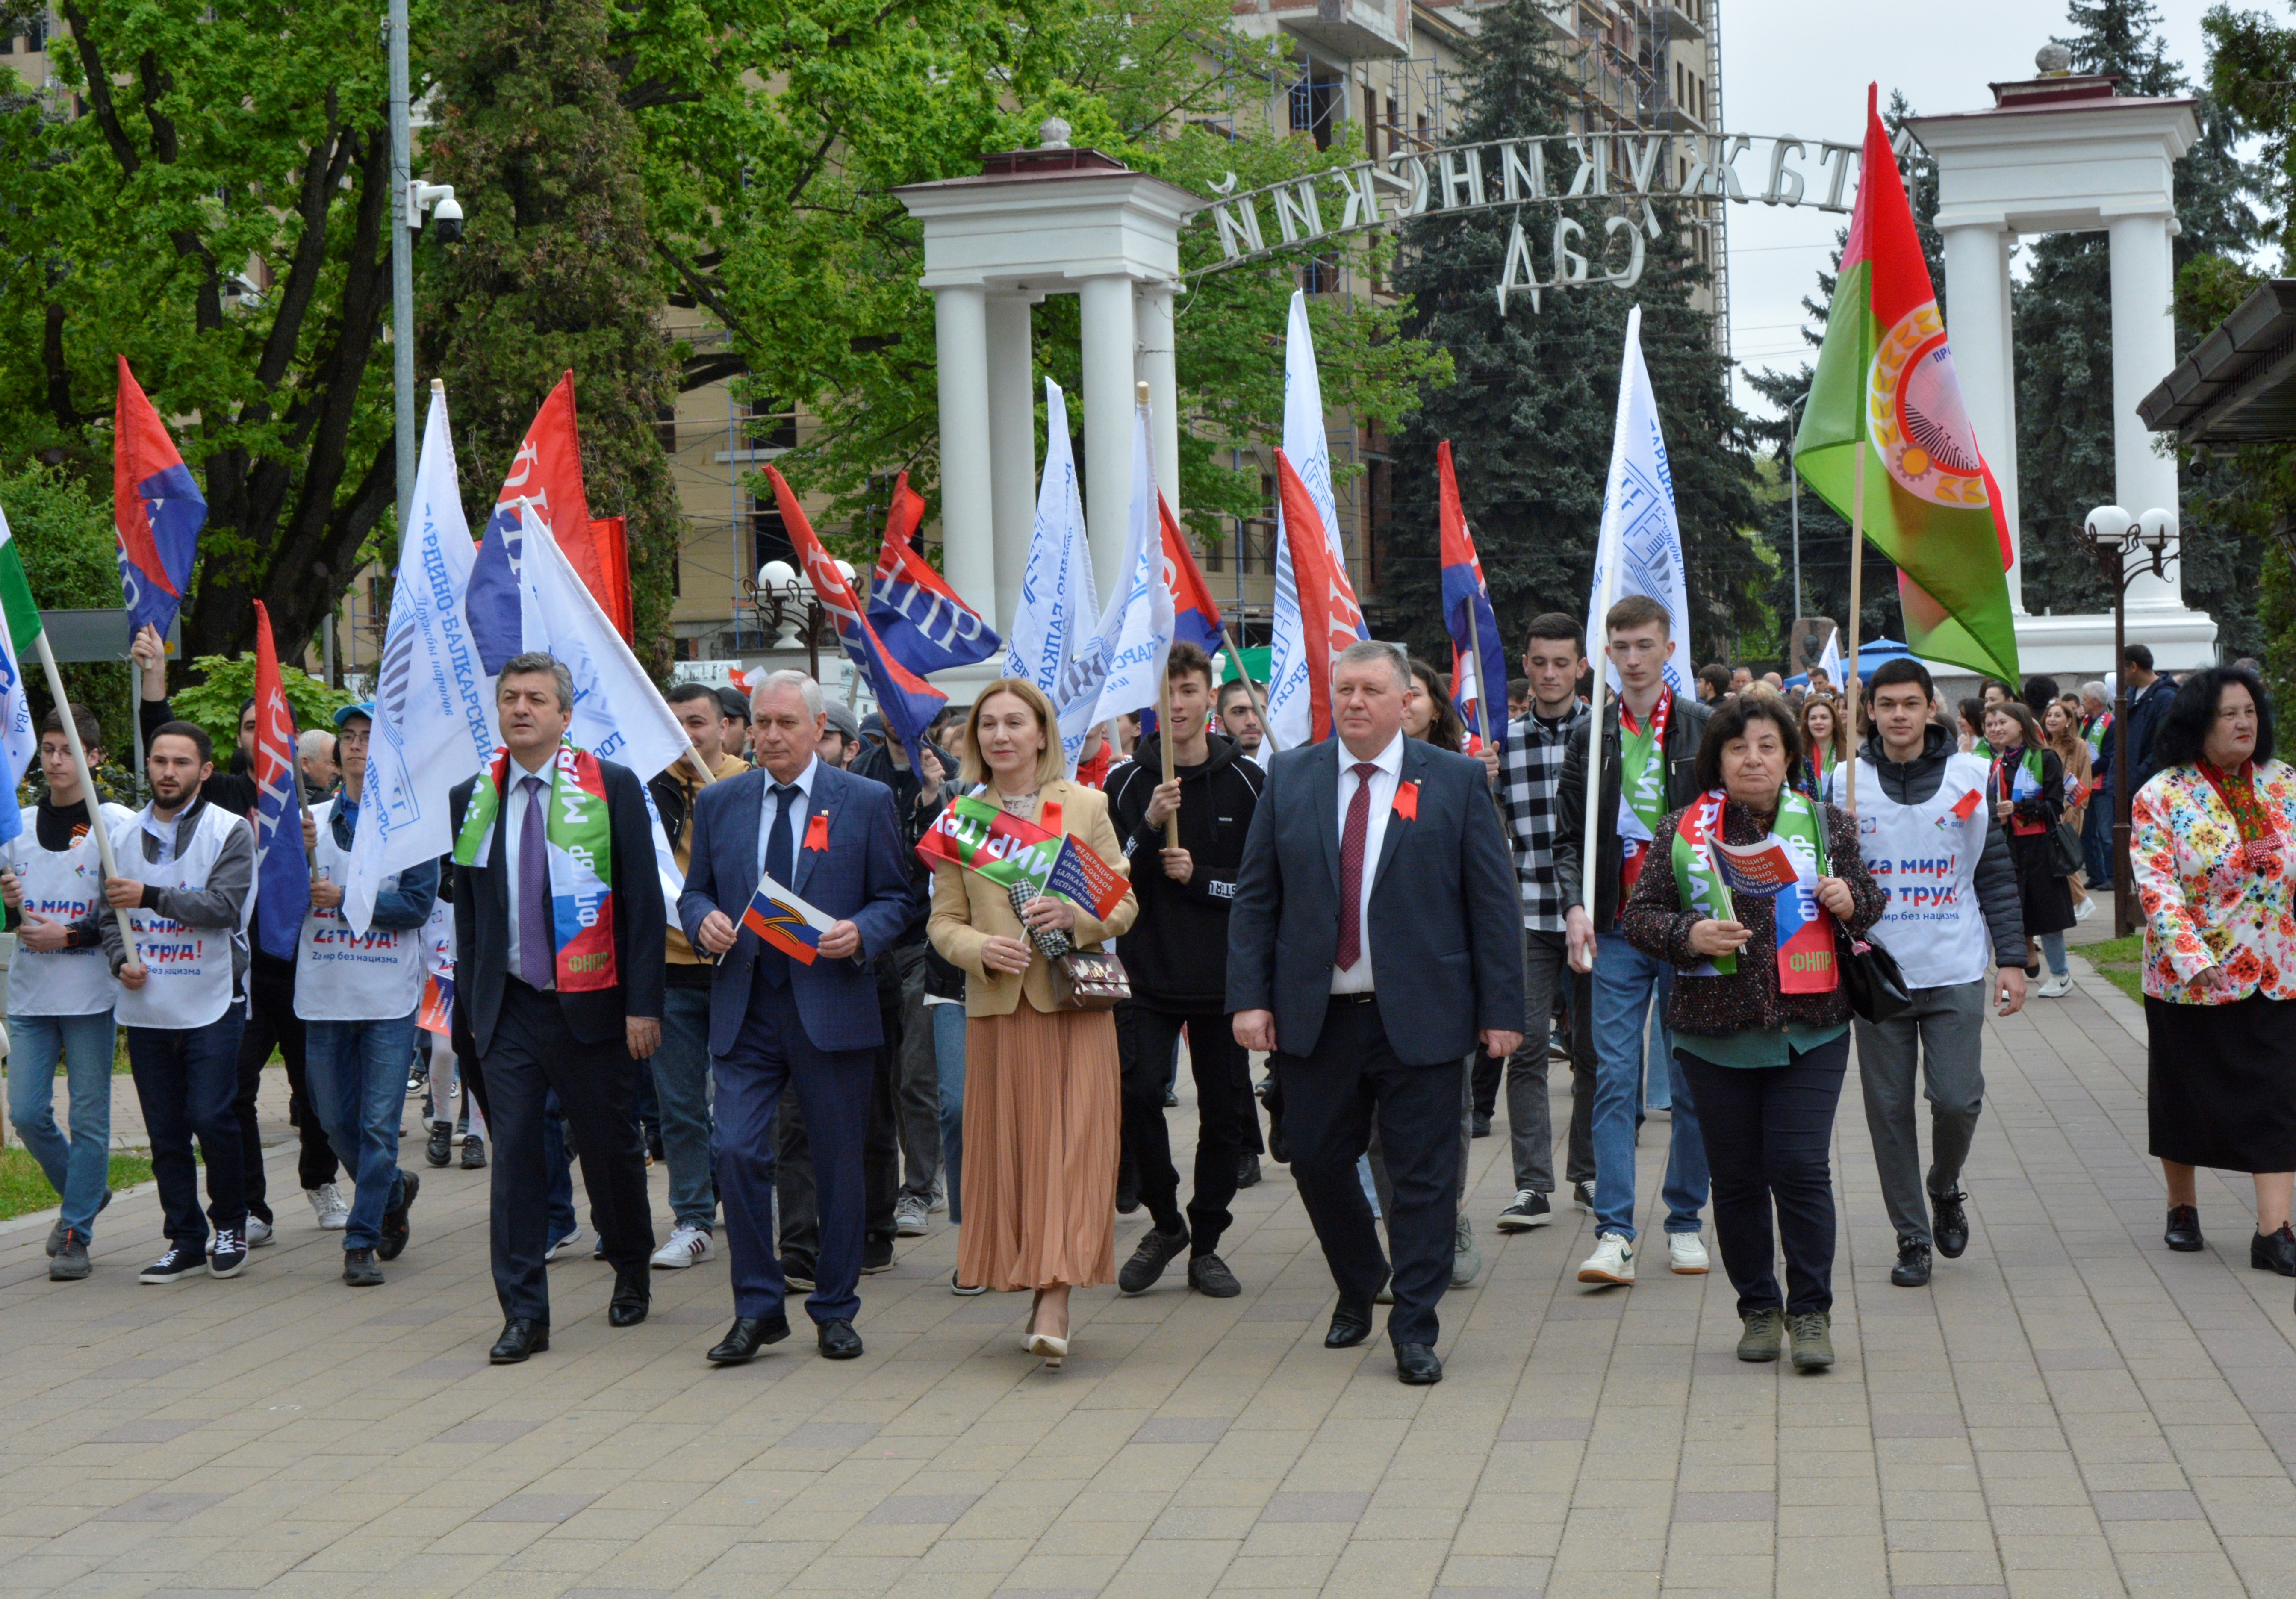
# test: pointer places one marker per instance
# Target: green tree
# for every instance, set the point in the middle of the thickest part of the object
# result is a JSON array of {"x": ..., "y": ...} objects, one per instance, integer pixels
[
  {"x": 65, "y": 539},
  {"x": 1530, "y": 415},
  {"x": 555, "y": 270},
  {"x": 219, "y": 215},
  {"x": 2064, "y": 318}
]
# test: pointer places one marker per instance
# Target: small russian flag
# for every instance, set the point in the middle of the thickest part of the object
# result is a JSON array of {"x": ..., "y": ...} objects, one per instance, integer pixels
[{"x": 785, "y": 922}]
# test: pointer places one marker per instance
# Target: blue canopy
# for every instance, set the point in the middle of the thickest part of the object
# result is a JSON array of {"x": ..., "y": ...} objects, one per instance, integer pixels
[{"x": 1870, "y": 655}]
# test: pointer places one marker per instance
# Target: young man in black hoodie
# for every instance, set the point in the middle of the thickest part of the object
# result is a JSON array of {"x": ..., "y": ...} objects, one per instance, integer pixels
[{"x": 1176, "y": 953}]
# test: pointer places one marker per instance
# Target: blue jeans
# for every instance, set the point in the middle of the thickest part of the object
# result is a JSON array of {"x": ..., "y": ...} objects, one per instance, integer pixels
[
  {"x": 77, "y": 1169},
  {"x": 356, "y": 1074},
  {"x": 1627, "y": 984},
  {"x": 2052, "y": 946},
  {"x": 680, "y": 1073},
  {"x": 186, "y": 1081},
  {"x": 948, "y": 1056}
]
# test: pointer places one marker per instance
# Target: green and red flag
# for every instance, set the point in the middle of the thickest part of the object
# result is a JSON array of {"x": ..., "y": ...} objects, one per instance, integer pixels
[
  {"x": 1016, "y": 853},
  {"x": 1884, "y": 393}
]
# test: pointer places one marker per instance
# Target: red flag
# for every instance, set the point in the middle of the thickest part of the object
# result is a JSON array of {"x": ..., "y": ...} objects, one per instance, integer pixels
[
  {"x": 1329, "y": 620},
  {"x": 283, "y": 878},
  {"x": 610, "y": 536},
  {"x": 1195, "y": 617},
  {"x": 547, "y": 475},
  {"x": 1464, "y": 595}
]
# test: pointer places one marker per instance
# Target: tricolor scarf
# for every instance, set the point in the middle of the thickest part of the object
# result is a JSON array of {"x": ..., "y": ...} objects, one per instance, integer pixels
[
  {"x": 1642, "y": 785},
  {"x": 581, "y": 845},
  {"x": 2021, "y": 782},
  {"x": 1804, "y": 928}
]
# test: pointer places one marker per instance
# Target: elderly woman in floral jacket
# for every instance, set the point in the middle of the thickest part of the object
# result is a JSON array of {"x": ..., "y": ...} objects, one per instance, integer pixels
[
  {"x": 1762, "y": 1025},
  {"x": 2213, "y": 852}
]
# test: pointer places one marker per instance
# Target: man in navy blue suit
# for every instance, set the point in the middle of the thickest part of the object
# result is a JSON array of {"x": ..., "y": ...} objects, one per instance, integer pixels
[
  {"x": 1374, "y": 941},
  {"x": 834, "y": 841}
]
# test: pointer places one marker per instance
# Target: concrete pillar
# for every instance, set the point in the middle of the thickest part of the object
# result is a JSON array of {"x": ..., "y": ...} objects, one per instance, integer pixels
[
  {"x": 2144, "y": 352},
  {"x": 1011, "y": 447},
  {"x": 968, "y": 551},
  {"x": 1108, "y": 340},
  {"x": 1977, "y": 300},
  {"x": 1156, "y": 371}
]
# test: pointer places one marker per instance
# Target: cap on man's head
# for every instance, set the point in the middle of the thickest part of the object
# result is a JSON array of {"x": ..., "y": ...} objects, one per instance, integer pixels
[
  {"x": 734, "y": 702},
  {"x": 841, "y": 719},
  {"x": 365, "y": 708}
]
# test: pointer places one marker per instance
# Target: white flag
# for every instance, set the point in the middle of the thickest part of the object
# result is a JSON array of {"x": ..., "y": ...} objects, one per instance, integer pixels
[
  {"x": 1310, "y": 451},
  {"x": 1054, "y": 638},
  {"x": 1641, "y": 536},
  {"x": 434, "y": 722},
  {"x": 1829, "y": 663},
  {"x": 618, "y": 714},
  {"x": 1136, "y": 633}
]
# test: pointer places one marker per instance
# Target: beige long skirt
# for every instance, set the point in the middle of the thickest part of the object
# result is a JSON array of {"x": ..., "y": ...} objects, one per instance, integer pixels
[{"x": 1043, "y": 1110}]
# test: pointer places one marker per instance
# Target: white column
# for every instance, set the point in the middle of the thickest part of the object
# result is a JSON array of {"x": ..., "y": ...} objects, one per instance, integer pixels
[
  {"x": 2005, "y": 465},
  {"x": 1977, "y": 299},
  {"x": 2144, "y": 352},
  {"x": 1011, "y": 447},
  {"x": 967, "y": 552},
  {"x": 1156, "y": 371},
  {"x": 1108, "y": 399}
]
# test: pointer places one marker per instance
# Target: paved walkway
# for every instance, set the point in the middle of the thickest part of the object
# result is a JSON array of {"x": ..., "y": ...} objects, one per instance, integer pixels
[{"x": 2070, "y": 1410}]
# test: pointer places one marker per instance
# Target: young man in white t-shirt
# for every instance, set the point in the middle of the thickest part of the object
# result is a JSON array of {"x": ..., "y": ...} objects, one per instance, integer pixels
[{"x": 60, "y": 990}]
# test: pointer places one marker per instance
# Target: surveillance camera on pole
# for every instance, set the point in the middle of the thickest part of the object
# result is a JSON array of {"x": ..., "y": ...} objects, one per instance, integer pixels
[{"x": 438, "y": 200}]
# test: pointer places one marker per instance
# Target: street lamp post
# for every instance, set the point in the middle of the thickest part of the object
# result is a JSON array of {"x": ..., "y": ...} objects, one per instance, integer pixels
[
  {"x": 2126, "y": 545},
  {"x": 785, "y": 602}
]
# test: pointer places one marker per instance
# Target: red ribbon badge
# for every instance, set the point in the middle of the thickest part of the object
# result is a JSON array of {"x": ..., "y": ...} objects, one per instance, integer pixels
[
  {"x": 1407, "y": 801},
  {"x": 816, "y": 831}
]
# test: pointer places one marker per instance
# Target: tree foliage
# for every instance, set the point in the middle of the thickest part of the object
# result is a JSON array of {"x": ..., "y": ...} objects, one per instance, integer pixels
[
  {"x": 218, "y": 215},
  {"x": 1529, "y": 416}
]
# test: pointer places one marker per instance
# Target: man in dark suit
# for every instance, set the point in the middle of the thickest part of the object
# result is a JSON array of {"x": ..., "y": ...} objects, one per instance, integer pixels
[
  {"x": 1658, "y": 756},
  {"x": 1375, "y": 938},
  {"x": 533, "y": 1006},
  {"x": 834, "y": 841}
]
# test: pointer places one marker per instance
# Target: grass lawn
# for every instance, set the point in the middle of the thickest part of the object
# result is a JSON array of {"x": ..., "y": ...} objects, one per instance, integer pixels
[
  {"x": 2121, "y": 960},
  {"x": 22, "y": 1188}
]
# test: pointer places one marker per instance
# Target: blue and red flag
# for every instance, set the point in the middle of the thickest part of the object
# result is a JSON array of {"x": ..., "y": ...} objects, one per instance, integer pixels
[
  {"x": 1478, "y": 677},
  {"x": 157, "y": 508},
  {"x": 785, "y": 922},
  {"x": 544, "y": 482},
  {"x": 906, "y": 700},
  {"x": 282, "y": 872},
  {"x": 1195, "y": 617},
  {"x": 914, "y": 611}
]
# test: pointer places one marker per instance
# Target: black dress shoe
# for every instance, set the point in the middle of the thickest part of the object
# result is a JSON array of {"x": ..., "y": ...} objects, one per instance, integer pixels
[
  {"x": 1913, "y": 1267},
  {"x": 747, "y": 1336},
  {"x": 1481, "y": 1127},
  {"x": 474, "y": 1152},
  {"x": 1247, "y": 1169},
  {"x": 1418, "y": 1365},
  {"x": 839, "y": 1341},
  {"x": 395, "y": 1230},
  {"x": 633, "y": 1298},
  {"x": 441, "y": 1148},
  {"x": 520, "y": 1337},
  {"x": 1949, "y": 1223},
  {"x": 1350, "y": 1324},
  {"x": 2184, "y": 1234},
  {"x": 2275, "y": 1251}
]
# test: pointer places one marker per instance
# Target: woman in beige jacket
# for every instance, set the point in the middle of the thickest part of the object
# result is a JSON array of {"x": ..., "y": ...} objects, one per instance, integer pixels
[{"x": 1042, "y": 1096}]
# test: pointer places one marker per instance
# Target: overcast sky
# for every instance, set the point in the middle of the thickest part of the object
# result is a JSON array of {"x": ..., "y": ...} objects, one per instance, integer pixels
[{"x": 1790, "y": 66}]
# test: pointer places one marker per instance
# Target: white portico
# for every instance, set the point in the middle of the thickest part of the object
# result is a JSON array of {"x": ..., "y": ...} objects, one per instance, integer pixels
[
  {"x": 2063, "y": 153},
  {"x": 1052, "y": 220}
]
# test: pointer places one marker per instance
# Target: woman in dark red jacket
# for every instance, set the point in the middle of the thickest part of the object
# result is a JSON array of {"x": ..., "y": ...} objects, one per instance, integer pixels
[{"x": 1761, "y": 877}]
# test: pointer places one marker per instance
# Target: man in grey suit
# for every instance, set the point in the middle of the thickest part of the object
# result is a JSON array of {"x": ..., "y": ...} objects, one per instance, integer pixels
[{"x": 1375, "y": 940}]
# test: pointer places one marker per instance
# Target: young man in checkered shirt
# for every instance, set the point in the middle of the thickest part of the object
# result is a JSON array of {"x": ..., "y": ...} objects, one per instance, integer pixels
[{"x": 1531, "y": 774}]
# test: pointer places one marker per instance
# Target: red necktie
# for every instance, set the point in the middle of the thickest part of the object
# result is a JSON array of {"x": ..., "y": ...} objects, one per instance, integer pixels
[{"x": 1351, "y": 853}]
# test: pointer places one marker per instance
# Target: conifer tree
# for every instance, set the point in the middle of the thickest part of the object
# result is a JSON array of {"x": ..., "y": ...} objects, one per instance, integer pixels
[{"x": 1530, "y": 410}]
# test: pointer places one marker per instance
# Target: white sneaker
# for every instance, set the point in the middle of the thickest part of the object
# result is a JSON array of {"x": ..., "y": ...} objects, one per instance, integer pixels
[
  {"x": 1466, "y": 1257},
  {"x": 1612, "y": 1261},
  {"x": 259, "y": 1232},
  {"x": 328, "y": 1204},
  {"x": 909, "y": 1217},
  {"x": 1685, "y": 1254},
  {"x": 688, "y": 1246},
  {"x": 2085, "y": 909},
  {"x": 552, "y": 1252},
  {"x": 2058, "y": 986}
]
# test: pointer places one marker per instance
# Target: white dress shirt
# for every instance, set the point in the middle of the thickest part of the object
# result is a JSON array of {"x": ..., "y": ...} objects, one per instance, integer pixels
[
  {"x": 1383, "y": 782},
  {"x": 799, "y": 804},
  {"x": 514, "y": 824}
]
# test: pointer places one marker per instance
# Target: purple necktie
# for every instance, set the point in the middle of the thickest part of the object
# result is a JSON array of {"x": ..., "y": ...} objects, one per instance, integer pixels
[{"x": 537, "y": 944}]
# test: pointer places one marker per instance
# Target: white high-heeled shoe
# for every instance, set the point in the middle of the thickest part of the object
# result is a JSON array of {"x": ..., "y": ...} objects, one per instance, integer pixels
[{"x": 1050, "y": 1350}]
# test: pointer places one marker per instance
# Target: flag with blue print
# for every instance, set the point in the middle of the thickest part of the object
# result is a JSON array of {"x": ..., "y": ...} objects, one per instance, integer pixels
[
  {"x": 1136, "y": 633},
  {"x": 787, "y": 923},
  {"x": 282, "y": 871},
  {"x": 1641, "y": 538},
  {"x": 156, "y": 508},
  {"x": 1295, "y": 657}
]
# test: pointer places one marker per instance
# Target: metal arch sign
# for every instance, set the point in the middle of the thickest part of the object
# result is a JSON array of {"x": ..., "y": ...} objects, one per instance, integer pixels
[{"x": 1499, "y": 173}]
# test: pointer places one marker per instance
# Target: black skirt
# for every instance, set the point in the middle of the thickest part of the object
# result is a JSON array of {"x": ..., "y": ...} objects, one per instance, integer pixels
[{"x": 2221, "y": 1083}]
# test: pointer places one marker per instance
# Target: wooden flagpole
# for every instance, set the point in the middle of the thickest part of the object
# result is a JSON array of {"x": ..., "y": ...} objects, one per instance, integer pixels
[{"x": 1857, "y": 599}]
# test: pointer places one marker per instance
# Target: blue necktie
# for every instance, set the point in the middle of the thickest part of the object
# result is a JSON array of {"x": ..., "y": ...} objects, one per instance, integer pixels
[
  {"x": 772, "y": 962},
  {"x": 538, "y": 938}
]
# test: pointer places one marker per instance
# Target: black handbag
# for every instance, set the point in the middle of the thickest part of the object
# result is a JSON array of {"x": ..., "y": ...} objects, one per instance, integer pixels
[
  {"x": 1870, "y": 977},
  {"x": 2064, "y": 851}
]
